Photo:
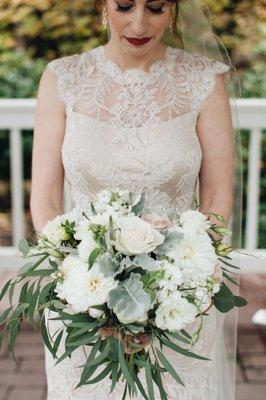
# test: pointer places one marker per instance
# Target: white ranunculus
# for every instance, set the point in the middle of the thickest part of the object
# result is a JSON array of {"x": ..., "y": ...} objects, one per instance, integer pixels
[
  {"x": 83, "y": 289},
  {"x": 86, "y": 246},
  {"x": 172, "y": 275},
  {"x": 136, "y": 236},
  {"x": 175, "y": 313},
  {"x": 194, "y": 221},
  {"x": 195, "y": 255}
]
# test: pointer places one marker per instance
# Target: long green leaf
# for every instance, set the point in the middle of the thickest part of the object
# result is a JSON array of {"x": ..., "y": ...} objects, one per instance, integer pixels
[
  {"x": 5, "y": 314},
  {"x": 169, "y": 367},
  {"x": 114, "y": 375},
  {"x": 181, "y": 350},
  {"x": 101, "y": 375},
  {"x": 149, "y": 380},
  {"x": 4, "y": 290},
  {"x": 124, "y": 367}
]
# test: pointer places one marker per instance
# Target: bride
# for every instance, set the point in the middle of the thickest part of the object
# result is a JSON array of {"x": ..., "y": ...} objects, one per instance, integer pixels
[{"x": 142, "y": 115}]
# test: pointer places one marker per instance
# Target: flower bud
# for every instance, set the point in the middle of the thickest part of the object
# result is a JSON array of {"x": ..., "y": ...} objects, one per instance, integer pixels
[{"x": 223, "y": 249}]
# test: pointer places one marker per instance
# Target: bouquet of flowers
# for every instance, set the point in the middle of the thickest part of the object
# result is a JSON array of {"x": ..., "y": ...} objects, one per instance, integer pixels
[{"x": 123, "y": 281}]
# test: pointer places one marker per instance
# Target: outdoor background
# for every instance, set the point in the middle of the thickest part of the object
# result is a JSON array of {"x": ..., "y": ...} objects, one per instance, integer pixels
[{"x": 33, "y": 32}]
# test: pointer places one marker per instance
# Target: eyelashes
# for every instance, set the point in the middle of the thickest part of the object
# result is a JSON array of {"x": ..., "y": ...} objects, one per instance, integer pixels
[{"x": 154, "y": 10}]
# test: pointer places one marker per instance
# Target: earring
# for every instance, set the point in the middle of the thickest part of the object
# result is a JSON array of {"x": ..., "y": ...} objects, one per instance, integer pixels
[
  {"x": 104, "y": 18},
  {"x": 172, "y": 20}
]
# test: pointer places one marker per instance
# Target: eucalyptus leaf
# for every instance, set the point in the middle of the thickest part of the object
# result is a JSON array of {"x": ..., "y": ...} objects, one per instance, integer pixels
[
  {"x": 224, "y": 300},
  {"x": 23, "y": 247}
]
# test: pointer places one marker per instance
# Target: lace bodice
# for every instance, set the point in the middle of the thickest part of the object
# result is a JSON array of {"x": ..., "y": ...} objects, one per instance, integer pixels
[
  {"x": 131, "y": 128},
  {"x": 136, "y": 130}
]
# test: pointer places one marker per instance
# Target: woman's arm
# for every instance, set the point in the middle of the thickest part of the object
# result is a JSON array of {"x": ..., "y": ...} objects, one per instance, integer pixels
[
  {"x": 46, "y": 200},
  {"x": 216, "y": 135}
]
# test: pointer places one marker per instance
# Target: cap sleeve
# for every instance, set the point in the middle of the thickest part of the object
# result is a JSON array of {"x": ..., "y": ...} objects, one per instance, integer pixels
[
  {"x": 66, "y": 70},
  {"x": 202, "y": 74}
]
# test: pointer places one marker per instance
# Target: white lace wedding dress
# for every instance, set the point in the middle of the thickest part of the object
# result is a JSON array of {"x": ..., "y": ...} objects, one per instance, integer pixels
[{"x": 136, "y": 130}]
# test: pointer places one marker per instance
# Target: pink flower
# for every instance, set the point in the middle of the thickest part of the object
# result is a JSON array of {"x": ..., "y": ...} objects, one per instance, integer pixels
[{"x": 157, "y": 221}]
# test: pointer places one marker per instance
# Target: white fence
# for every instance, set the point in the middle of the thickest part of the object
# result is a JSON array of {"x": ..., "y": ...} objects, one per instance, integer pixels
[{"x": 18, "y": 114}]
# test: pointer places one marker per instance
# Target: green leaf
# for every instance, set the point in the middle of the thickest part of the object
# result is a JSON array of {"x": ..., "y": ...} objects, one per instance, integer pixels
[
  {"x": 23, "y": 247},
  {"x": 224, "y": 300},
  {"x": 230, "y": 278},
  {"x": 159, "y": 383},
  {"x": 57, "y": 341},
  {"x": 140, "y": 386},
  {"x": 94, "y": 254},
  {"x": 240, "y": 301},
  {"x": 38, "y": 272},
  {"x": 149, "y": 380},
  {"x": 5, "y": 314},
  {"x": 4, "y": 290},
  {"x": 101, "y": 375},
  {"x": 181, "y": 350},
  {"x": 34, "y": 266},
  {"x": 25, "y": 268},
  {"x": 114, "y": 375},
  {"x": 1, "y": 338},
  {"x": 89, "y": 370},
  {"x": 45, "y": 336},
  {"x": 23, "y": 293},
  {"x": 169, "y": 367},
  {"x": 179, "y": 337},
  {"x": 124, "y": 367}
]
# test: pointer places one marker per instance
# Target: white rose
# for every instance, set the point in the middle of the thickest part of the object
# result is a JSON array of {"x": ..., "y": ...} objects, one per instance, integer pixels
[
  {"x": 86, "y": 246},
  {"x": 136, "y": 236},
  {"x": 194, "y": 221},
  {"x": 175, "y": 313}
]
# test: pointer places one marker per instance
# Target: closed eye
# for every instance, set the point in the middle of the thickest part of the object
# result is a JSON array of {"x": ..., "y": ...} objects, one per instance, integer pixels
[{"x": 124, "y": 8}]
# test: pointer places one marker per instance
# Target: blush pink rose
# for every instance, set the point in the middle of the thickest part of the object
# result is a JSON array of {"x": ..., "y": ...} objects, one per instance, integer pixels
[{"x": 157, "y": 221}]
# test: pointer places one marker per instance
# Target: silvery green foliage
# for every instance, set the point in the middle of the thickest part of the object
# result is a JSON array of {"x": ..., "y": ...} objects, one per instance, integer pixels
[
  {"x": 137, "y": 208},
  {"x": 109, "y": 266},
  {"x": 146, "y": 262},
  {"x": 171, "y": 237},
  {"x": 129, "y": 300}
]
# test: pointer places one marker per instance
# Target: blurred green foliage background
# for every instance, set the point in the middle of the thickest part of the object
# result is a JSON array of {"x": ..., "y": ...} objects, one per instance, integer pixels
[{"x": 33, "y": 32}]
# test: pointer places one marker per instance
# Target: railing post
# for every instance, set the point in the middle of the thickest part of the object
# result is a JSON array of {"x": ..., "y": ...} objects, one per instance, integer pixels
[
  {"x": 17, "y": 200},
  {"x": 253, "y": 192}
]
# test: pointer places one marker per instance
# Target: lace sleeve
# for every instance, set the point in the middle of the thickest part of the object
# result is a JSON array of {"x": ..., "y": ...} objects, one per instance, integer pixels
[
  {"x": 66, "y": 69},
  {"x": 202, "y": 75}
]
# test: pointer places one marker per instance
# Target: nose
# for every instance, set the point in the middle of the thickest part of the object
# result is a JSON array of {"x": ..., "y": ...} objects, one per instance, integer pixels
[{"x": 139, "y": 23}]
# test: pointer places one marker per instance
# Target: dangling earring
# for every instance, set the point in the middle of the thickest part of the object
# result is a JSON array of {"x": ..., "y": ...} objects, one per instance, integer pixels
[
  {"x": 104, "y": 18},
  {"x": 172, "y": 20}
]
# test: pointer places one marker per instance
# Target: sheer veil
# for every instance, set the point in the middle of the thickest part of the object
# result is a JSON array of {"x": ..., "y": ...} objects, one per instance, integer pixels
[{"x": 194, "y": 34}]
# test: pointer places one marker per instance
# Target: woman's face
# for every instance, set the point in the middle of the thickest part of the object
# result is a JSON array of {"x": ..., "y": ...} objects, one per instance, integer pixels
[{"x": 137, "y": 19}]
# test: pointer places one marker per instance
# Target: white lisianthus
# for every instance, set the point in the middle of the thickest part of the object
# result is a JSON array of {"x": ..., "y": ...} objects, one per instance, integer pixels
[
  {"x": 172, "y": 276},
  {"x": 175, "y": 313},
  {"x": 136, "y": 236},
  {"x": 194, "y": 221},
  {"x": 83, "y": 289},
  {"x": 87, "y": 245},
  {"x": 195, "y": 255}
]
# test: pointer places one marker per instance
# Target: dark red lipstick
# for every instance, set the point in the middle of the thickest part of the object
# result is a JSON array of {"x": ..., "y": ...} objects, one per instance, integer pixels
[{"x": 138, "y": 41}]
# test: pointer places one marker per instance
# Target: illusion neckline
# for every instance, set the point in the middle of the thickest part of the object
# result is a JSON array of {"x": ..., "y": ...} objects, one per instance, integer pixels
[{"x": 112, "y": 66}]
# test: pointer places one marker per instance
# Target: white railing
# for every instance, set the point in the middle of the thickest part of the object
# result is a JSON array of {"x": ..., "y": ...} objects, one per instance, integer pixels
[{"x": 18, "y": 114}]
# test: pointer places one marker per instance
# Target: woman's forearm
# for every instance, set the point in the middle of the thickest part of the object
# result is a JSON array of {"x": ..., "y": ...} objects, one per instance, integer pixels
[{"x": 42, "y": 213}]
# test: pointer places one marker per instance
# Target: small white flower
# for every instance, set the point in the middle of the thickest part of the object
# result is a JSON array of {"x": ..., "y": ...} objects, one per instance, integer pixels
[
  {"x": 172, "y": 275},
  {"x": 86, "y": 246},
  {"x": 175, "y": 313},
  {"x": 136, "y": 236},
  {"x": 194, "y": 221}
]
